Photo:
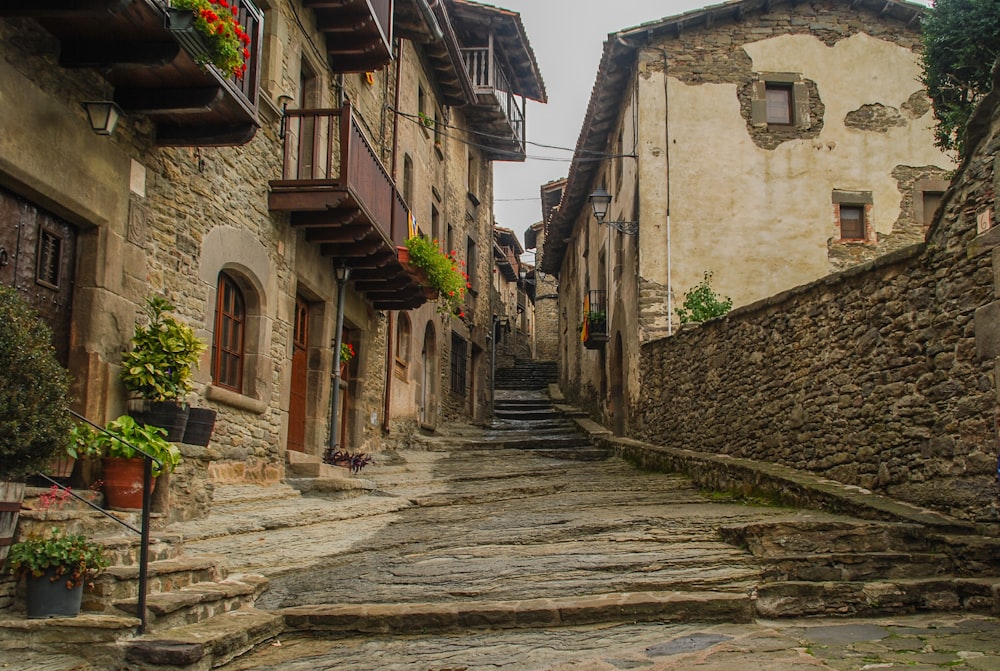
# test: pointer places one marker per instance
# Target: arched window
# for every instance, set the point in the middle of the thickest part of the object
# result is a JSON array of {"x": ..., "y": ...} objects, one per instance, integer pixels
[
  {"x": 230, "y": 327},
  {"x": 403, "y": 338}
]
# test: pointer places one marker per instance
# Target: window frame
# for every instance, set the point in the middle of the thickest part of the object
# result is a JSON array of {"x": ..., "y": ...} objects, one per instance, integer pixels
[
  {"x": 861, "y": 202},
  {"x": 459, "y": 364},
  {"x": 222, "y": 350},
  {"x": 404, "y": 345}
]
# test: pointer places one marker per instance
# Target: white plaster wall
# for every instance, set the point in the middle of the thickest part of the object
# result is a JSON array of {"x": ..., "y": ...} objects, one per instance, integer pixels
[{"x": 760, "y": 219}]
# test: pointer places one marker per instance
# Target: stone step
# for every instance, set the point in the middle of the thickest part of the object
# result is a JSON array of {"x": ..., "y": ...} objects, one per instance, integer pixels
[
  {"x": 231, "y": 495},
  {"x": 198, "y": 602},
  {"x": 205, "y": 645},
  {"x": 527, "y": 415},
  {"x": 404, "y": 618},
  {"x": 819, "y": 537},
  {"x": 122, "y": 582},
  {"x": 869, "y": 599},
  {"x": 570, "y": 442},
  {"x": 64, "y": 634},
  {"x": 855, "y": 566}
]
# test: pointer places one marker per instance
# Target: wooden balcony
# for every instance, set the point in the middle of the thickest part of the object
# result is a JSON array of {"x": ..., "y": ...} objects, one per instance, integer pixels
[
  {"x": 154, "y": 69},
  {"x": 507, "y": 260},
  {"x": 499, "y": 113},
  {"x": 358, "y": 32},
  {"x": 338, "y": 191}
]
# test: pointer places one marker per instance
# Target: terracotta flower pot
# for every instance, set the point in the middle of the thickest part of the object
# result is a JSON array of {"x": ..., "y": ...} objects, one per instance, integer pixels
[{"x": 123, "y": 483}]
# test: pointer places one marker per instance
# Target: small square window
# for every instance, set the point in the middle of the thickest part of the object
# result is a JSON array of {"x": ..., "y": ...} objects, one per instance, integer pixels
[
  {"x": 852, "y": 222},
  {"x": 779, "y": 103}
]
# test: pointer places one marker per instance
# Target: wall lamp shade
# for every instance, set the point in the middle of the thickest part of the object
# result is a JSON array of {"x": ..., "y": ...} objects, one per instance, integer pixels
[
  {"x": 343, "y": 273},
  {"x": 600, "y": 200},
  {"x": 103, "y": 115}
]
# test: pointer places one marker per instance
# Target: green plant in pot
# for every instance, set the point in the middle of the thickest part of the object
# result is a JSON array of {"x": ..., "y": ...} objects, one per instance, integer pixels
[
  {"x": 445, "y": 273},
  {"x": 158, "y": 369},
  {"x": 123, "y": 464},
  {"x": 34, "y": 417},
  {"x": 56, "y": 565}
]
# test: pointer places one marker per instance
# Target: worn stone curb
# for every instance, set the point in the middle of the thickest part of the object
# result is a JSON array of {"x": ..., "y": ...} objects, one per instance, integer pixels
[
  {"x": 410, "y": 618},
  {"x": 790, "y": 486}
]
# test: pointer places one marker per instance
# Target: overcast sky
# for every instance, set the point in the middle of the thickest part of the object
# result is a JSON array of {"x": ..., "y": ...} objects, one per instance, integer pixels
[{"x": 567, "y": 37}]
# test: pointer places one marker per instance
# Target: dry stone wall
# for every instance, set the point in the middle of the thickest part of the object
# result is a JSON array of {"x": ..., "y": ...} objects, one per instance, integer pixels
[{"x": 882, "y": 375}]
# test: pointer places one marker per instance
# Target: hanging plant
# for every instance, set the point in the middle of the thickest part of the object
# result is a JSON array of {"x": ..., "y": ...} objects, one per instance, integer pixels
[
  {"x": 228, "y": 43},
  {"x": 346, "y": 352},
  {"x": 444, "y": 272}
]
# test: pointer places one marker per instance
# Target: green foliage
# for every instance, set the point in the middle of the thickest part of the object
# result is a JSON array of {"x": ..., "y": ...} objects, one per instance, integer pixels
[
  {"x": 150, "y": 439},
  {"x": 961, "y": 43},
  {"x": 227, "y": 42},
  {"x": 444, "y": 272},
  {"x": 163, "y": 356},
  {"x": 75, "y": 559},
  {"x": 34, "y": 421},
  {"x": 702, "y": 304}
]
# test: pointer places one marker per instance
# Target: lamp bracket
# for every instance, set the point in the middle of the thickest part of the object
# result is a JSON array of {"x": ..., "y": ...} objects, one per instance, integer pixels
[{"x": 624, "y": 227}]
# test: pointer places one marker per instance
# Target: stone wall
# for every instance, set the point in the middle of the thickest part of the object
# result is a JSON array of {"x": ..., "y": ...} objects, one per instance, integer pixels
[{"x": 880, "y": 376}]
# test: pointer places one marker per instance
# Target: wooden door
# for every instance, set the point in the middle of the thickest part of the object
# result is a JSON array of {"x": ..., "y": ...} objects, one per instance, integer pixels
[
  {"x": 300, "y": 378},
  {"x": 38, "y": 257}
]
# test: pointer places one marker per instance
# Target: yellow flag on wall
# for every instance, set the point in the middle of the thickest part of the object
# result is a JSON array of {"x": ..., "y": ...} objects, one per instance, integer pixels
[{"x": 585, "y": 331}]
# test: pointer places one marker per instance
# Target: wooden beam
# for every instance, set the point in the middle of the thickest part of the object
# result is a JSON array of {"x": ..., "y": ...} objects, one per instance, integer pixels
[
  {"x": 41, "y": 9},
  {"x": 228, "y": 135},
  {"x": 192, "y": 100},
  {"x": 105, "y": 53}
]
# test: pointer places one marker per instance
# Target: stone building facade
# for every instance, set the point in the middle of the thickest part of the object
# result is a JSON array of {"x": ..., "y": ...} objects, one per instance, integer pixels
[
  {"x": 200, "y": 200},
  {"x": 883, "y": 375},
  {"x": 546, "y": 285},
  {"x": 767, "y": 144}
]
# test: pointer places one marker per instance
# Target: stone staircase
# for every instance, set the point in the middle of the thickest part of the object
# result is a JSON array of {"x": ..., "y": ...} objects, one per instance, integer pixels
[
  {"x": 524, "y": 420},
  {"x": 868, "y": 568},
  {"x": 183, "y": 591},
  {"x": 526, "y": 375}
]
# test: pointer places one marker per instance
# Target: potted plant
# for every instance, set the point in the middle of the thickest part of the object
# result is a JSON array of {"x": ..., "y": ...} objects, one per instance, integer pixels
[
  {"x": 444, "y": 272},
  {"x": 122, "y": 463},
  {"x": 210, "y": 31},
  {"x": 56, "y": 565},
  {"x": 157, "y": 371},
  {"x": 353, "y": 461},
  {"x": 34, "y": 420}
]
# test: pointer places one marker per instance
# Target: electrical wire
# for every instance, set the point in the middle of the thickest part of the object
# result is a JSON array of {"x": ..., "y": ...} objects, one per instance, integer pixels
[{"x": 595, "y": 156}]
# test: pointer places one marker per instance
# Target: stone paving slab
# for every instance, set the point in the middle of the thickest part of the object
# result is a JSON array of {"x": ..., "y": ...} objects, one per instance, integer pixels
[{"x": 911, "y": 643}]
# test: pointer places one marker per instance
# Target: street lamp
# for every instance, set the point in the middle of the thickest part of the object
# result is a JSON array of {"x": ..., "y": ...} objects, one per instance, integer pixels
[
  {"x": 600, "y": 200},
  {"x": 103, "y": 115},
  {"x": 343, "y": 274}
]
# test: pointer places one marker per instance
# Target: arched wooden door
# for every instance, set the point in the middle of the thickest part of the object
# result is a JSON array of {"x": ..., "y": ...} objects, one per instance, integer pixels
[
  {"x": 300, "y": 377},
  {"x": 38, "y": 257}
]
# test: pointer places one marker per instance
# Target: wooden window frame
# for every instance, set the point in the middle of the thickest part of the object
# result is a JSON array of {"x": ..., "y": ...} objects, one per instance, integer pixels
[
  {"x": 797, "y": 96},
  {"x": 404, "y": 344},
  {"x": 786, "y": 105},
  {"x": 860, "y": 201},
  {"x": 232, "y": 313}
]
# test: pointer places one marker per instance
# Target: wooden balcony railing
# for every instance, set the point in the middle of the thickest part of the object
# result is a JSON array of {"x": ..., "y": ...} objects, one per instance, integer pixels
[
  {"x": 337, "y": 189},
  {"x": 490, "y": 81},
  {"x": 326, "y": 152}
]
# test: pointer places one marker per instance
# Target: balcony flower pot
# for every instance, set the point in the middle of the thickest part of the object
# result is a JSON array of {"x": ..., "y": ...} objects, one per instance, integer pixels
[
  {"x": 444, "y": 272},
  {"x": 56, "y": 565},
  {"x": 33, "y": 404},
  {"x": 210, "y": 34}
]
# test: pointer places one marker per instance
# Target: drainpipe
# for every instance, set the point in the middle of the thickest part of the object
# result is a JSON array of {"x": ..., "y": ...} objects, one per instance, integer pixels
[
  {"x": 387, "y": 400},
  {"x": 343, "y": 275},
  {"x": 666, "y": 130}
]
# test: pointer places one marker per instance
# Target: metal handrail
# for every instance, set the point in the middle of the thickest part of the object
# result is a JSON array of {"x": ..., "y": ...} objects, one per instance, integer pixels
[{"x": 143, "y": 531}]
